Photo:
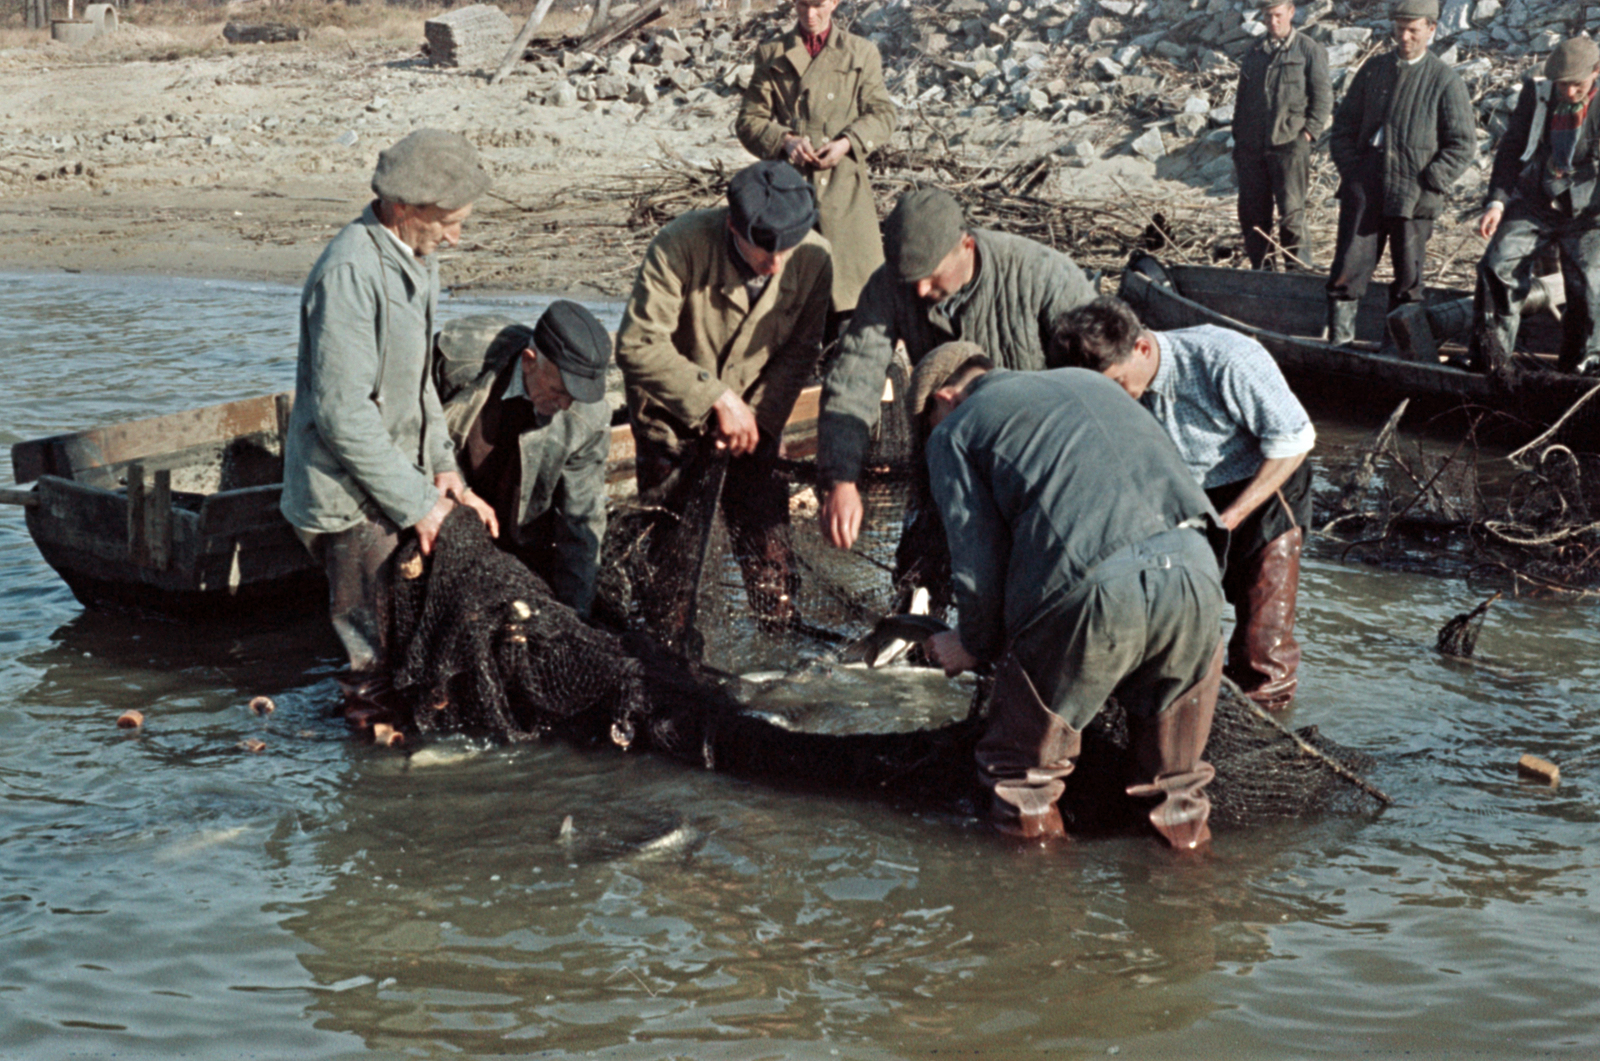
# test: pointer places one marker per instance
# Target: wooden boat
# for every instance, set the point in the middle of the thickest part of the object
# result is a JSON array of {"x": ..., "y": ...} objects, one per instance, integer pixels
[
  {"x": 179, "y": 515},
  {"x": 1286, "y": 312}
]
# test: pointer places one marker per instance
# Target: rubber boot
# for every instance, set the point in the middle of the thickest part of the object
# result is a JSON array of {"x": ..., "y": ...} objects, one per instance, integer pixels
[
  {"x": 1263, "y": 655},
  {"x": 1167, "y": 750},
  {"x": 1341, "y": 321},
  {"x": 1024, "y": 756}
]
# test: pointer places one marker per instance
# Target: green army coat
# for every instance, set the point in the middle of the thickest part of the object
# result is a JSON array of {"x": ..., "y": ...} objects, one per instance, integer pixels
[
  {"x": 839, "y": 93},
  {"x": 690, "y": 332}
]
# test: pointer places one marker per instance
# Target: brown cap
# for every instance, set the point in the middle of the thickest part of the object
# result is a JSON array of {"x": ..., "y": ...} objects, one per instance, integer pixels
[
  {"x": 925, "y": 226},
  {"x": 1572, "y": 60},
  {"x": 1408, "y": 9},
  {"x": 936, "y": 368},
  {"x": 431, "y": 167}
]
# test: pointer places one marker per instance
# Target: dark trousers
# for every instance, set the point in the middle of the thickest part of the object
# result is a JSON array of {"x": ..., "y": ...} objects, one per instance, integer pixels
[
  {"x": 1363, "y": 232},
  {"x": 1267, "y": 523},
  {"x": 360, "y": 580},
  {"x": 1275, "y": 178},
  {"x": 1506, "y": 272}
]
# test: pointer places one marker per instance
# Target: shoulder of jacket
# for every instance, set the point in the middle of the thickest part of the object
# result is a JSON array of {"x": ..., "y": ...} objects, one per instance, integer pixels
[
  {"x": 767, "y": 51},
  {"x": 692, "y": 227}
]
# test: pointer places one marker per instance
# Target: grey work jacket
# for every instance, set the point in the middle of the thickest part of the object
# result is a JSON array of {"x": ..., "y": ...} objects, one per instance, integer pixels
[
  {"x": 1007, "y": 309},
  {"x": 1429, "y": 132},
  {"x": 1283, "y": 92},
  {"x": 1039, "y": 476},
  {"x": 1522, "y": 160},
  {"x": 367, "y": 434}
]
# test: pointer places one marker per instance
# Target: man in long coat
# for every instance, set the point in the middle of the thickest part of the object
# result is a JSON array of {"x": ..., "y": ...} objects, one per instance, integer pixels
[{"x": 817, "y": 99}]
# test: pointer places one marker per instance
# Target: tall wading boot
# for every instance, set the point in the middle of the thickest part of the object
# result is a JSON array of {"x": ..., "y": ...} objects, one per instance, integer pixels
[
  {"x": 1167, "y": 749},
  {"x": 1024, "y": 756},
  {"x": 1263, "y": 655},
  {"x": 1342, "y": 321}
]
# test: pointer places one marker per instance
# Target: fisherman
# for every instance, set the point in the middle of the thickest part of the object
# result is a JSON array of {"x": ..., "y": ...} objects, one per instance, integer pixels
[
  {"x": 367, "y": 457},
  {"x": 1244, "y": 436},
  {"x": 1401, "y": 136},
  {"x": 528, "y": 414},
  {"x": 1542, "y": 191},
  {"x": 817, "y": 99},
  {"x": 1282, "y": 105},
  {"x": 943, "y": 280},
  {"x": 1082, "y": 571},
  {"x": 723, "y": 329}
]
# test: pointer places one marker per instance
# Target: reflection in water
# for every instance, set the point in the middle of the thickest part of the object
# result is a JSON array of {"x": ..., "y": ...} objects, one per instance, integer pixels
[{"x": 165, "y": 892}]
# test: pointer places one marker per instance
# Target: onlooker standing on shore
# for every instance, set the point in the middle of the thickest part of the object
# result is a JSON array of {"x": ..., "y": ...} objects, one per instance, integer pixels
[{"x": 1282, "y": 105}]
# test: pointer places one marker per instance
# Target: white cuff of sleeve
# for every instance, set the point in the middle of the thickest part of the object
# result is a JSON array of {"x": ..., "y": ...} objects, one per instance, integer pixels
[{"x": 1290, "y": 445}]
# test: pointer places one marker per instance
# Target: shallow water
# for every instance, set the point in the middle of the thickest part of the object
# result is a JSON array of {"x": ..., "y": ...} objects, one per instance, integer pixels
[{"x": 167, "y": 893}]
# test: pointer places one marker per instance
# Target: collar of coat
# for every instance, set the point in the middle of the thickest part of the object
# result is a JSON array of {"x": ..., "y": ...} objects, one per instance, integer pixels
[
  {"x": 733, "y": 272},
  {"x": 414, "y": 269},
  {"x": 794, "y": 48}
]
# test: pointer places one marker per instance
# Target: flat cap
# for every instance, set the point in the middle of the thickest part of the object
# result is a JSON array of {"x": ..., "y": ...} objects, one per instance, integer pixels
[
  {"x": 771, "y": 205},
  {"x": 431, "y": 167},
  {"x": 1573, "y": 60},
  {"x": 925, "y": 226},
  {"x": 936, "y": 368},
  {"x": 1428, "y": 9},
  {"x": 578, "y": 345}
]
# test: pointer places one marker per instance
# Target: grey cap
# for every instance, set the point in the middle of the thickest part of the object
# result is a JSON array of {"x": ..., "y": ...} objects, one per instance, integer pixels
[
  {"x": 1573, "y": 60},
  {"x": 771, "y": 205},
  {"x": 1264, "y": 4},
  {"x": 925, "y": 226},
  {"x": 578, "y": 345},
  {"x": 1408, "y": 9},
  {"x": 936, "y": 368},
  {"x": 431, "y": 167}
]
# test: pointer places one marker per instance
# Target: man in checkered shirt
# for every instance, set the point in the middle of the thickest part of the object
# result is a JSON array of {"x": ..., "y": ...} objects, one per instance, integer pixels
[{"x": 1244, "y": 436}]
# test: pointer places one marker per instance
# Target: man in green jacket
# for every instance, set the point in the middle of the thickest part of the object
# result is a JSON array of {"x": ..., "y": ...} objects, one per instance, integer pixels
[
  {"x": 1401, "y": 136},
  {"x": 1281, "y": 107},
  {"x": 527, "y": 411},
  {"x": 367, "y": 456},
  {"x": 722, "y": 330},
  {"x": 818, "y": 100}
]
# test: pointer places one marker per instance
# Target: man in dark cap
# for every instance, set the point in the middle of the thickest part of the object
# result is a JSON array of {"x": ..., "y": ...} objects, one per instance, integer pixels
[
  {"x": 942, "y": 280},
  {"x": 1082, "y": 571},
  {"x": 527, "y": 411},
  {"x": 1542, "y": 191},
  {"x": 1401, "y": 136},
  {"x": 1282, "y": 105},
  {"x": 723, "y": 329},
  {"x": 367, "y": 457}
]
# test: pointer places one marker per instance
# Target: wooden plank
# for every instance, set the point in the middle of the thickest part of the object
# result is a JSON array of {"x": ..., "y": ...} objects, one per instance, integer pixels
[
  {"x": 514, "y": 53},
  {"x": 12, "y": 495},
  {"x": 623, "y": 26},
  {"x": 232, "y": 512},
  {"x": 158, "y": 521},
  {"x": 138, "y": 545}
]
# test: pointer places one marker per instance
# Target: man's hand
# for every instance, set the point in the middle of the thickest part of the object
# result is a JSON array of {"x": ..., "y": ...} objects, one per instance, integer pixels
[
  {"x": 736, "y": 425},
  {"x": 1489, "y": 223},
  {"x": 840, "y": 515},
  {"x": 798, "y": 150},
  {"x": 450, "y": 485},
  {"x": 947, "y": 651},
  {"x": 427, "y": 527},
  {"x": 833, "y": 154}
]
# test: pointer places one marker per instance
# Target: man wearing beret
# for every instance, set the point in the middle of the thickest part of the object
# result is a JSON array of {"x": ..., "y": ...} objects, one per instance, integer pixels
[
  {"x": 1401, "y": 136},
  {"x": 527, "y": 410},
  {"x": 943, "y": 280},
  {"x": 1082, "y": 571},
  {"x": 1542, "y": 191},
  {"x": 1282, "y": 105},
  {"x": 367, "y": 457},
  {"x": 722, "y": 330}
]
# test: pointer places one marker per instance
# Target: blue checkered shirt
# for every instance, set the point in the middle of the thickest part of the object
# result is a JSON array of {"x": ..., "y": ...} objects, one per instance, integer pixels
[{"x": 1226, "y": 405}]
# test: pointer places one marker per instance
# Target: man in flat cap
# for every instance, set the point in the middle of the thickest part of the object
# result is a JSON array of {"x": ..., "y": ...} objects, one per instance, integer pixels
[
  {"x": 942, "y": 280},
  {"x": 1401, "y": 136},
  {"x": 367, "y": 458},
  {"x": 1082, "y": 571},
  {"x": 1282, "y": 105},
  {"x": 1542, "y": 191},
  {"x": 722, "y": 330},
  {"x": 527, "y": 411},
  {"x": 817, "y": 99}
]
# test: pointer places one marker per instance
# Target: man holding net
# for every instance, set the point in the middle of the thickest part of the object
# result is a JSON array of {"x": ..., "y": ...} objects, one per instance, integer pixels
[
  {"x": 1082, "y": 571},
  {"x": 722, "y": 330}
]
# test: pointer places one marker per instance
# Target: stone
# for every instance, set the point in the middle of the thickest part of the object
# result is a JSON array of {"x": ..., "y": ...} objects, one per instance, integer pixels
[
  {"x": 618, "y": 67},
  {"x": 623, "y": 110},
  {"x": 1190, "y": 125},
  {"x": 1105, "y": 68},
  {"x": 1075, "y": 118},
  {"x": 1127, "y": 55},
  {"x": 1217, "y": 167},
  {"x": 1351, "y": 34},
  {"x": 219, "y": 140},
  {"x": 1196, "y": 105},
  {"x": 378, "y": 104},
  {"x": 1343, "y": 54},
  {"x": 684, "y": 79},
  {"x": 643, "y": 92},
  {"x": 1171, "y": 51},
  {"x": 610, "y": 86},
  {"x": 477, "y": 35},
  {"x": 1100, "y": 29},
  {"x": 1123, "y": 8},
  {"x": 1082, "y": 148},
  {"x": 1222, "y": 115},
  {"x": 1056, "y": 88},
  {"x": 561, "y": 94},
  {"x": 672, "y": 51},
  {"x": 1484, "y": 10},
  {"x": 1149, "y": 145}
]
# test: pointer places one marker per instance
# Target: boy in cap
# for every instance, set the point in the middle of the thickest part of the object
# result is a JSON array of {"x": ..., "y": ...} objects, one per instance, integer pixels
[
  {"x": 1082, "y": 571},
  {"x": 942, "y": 280},
  {"x": 1542, "y": 191},
  {"x": 722, "y": 330},
  {"x": 367, "y": 457},
  {"x": 1401, "y": 136},
  {"x": 527, "y": 411}
]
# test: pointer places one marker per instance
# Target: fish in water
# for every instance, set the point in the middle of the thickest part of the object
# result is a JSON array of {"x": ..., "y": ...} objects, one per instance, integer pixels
[{"x": 895, "y": 634}]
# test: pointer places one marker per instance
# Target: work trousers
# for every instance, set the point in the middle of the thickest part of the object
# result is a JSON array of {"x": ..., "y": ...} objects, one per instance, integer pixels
[
  {"x": 1363, "y": 233},
  {"x": 1275, "y": 177},
  {"x": 360, "y": 583},
  {"x": 1506, "y": 273}
]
